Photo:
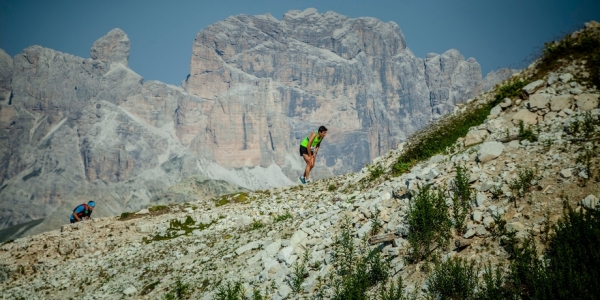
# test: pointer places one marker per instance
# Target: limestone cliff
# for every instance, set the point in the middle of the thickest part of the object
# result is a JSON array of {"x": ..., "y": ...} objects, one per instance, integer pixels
[{"x": 275, "y": 81}]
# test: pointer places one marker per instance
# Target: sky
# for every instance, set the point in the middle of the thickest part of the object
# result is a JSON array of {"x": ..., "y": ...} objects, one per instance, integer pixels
[{"x": 497, "y": 33}]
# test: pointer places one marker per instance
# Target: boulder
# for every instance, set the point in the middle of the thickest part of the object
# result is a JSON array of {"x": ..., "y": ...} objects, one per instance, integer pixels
[
  {"x": 587, "y": 101},
  {"x": 489, "y": 151},
  {"x": 534, "y": 86},
  {"x": 526, "y": 116},
  {"x": 590, "y": 202},
  {"x": 539, "y": 101},
  {"x": 565, "y": 77},
  {"x": 560, "y": 102},
  {"x": 475, "y": 137}
]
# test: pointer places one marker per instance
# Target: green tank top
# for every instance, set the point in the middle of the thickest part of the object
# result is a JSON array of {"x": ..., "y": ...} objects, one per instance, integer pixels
[{"x": 315, "y": 142}]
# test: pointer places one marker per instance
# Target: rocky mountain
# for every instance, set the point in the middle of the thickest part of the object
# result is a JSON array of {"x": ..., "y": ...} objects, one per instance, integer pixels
[
  {"x": 259, "y": 239},
  {"x": 282, "y": 79},
  {"x": 495, "y": 77},
  {"x": 79, "y": 129}
]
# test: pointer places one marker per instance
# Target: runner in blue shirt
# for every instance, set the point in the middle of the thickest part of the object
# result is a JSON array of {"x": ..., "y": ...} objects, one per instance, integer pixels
[{"x": 83, "y": 211}]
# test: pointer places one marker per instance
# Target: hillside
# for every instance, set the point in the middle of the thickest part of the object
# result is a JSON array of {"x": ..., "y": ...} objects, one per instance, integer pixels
[{"x": 499, "y": 188}]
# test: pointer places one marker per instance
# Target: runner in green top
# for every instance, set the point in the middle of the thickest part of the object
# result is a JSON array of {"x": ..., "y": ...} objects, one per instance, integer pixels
[{"x": 309, "y": 153}]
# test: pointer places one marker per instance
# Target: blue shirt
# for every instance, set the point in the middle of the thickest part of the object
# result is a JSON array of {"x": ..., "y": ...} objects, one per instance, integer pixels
[{"x": 81, "y": 211}]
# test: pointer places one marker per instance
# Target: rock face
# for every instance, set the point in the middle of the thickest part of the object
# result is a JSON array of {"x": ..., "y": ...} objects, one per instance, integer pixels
[
  {"x": 91, "y": 129},
  {"x": 275, "y": 81},
  {"x": 80, "y": 129},
  {"x": 6, "y": 65},
  {"x": 494, "y": 77}
]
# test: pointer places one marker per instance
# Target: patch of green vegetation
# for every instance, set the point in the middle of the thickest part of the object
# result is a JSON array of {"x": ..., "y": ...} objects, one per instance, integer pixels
[
  {"x": 180, "y": 291},
  {"x": 256, "y": 225},
  {"x": 158, "y": 208},
  {"x": 235, "y": 198},
  {"x": 299, "y": 272},
  {"x": 461, "y": 195},
  {"x": 125, "y": 215},
  {"x": 429, "y": 223},
  {"x": 584, "y": 47},
  {"x": 230, "y": 291},
  {"x": 526, "y": 133},
  {"x": 358, "y": 268},
  {"x": 175, "y": 226},
  {"x": 149, "y": 288},
  {"x": 33, "y": 173},
  {"x": 439, "y": 136},
  {"x": 375, "y": 172},
  {"x": 332, "y": 187},
  {"x": 283, "y": 217},
  {"x": 523, "y": 183}
]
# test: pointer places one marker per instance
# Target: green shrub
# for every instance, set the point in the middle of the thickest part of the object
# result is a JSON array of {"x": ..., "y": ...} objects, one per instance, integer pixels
[
  {"x": 453, "y": 279},
  {"x": 394, "y": 292},
  {"x": 332, "y": 187},
  {"x": 283, "y": 217},
  {"x": 510, "y": 89},
  {"x": 526, "y": 133},
  {"x": 181, "y": 291},
  {"x": 376, "y": 223},
  {"x": 256, "y": 225},
  {"x": 375, "y": 172},
  {"x": 461, "y": 199},
  {"x": 230, "y": 291},
  {"x": 357, "y": 268},
  {"x": 299, "y": 272},
  {"x": 584, "y": 47},
  {"x": 429, "y": 223},
  {"x": 523, "y": 183},
  {"x": 125, "y": 215}
]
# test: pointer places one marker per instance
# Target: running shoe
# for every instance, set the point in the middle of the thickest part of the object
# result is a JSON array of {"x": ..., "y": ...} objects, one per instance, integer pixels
[
  {"x": 308, "y": 181},
  {"x": 301, "y": 179}
]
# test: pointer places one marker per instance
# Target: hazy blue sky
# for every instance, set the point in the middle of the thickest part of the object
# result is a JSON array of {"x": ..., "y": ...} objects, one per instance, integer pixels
[{"x": 498, "y": 33}]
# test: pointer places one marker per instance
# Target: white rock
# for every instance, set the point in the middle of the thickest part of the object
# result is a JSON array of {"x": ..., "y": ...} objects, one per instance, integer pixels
[
  {"x": 144, "y": 211},
  {"x": 534, "y": 86},
  {"x": 470, "y": 233},
  {"x": 477, "y": 215},
  {"x": 526, "y": 116},
  {"x": 558, "y": 103},
  {"x": 539, "y": 101},
  {"x": 565, "y": 77},
  {"x": 590, "y": 202},
  {"x": 364, "y": 230},
  {"x": 496, "y": 110},
  {"x": 514, "y": 226},
  {"x": 475, "y": 137},
  {"x": 273, "y": 248},
  {"x": 587, "y": 101},
  {"x": 488, "y": 222},
  {"x": 247, "y": 247},
  {"x": 566, "y": 173},
  {"x": 480, "y": 198},
  {"x": 130, "y": 290},
  {"x": 297, "y": 238},
  {"x": 489, "y": 151}
]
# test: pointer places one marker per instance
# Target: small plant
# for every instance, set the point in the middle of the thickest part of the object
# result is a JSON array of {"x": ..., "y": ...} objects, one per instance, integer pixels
[
  {"x": 522, "y": 184},
  {"x": 125, "y": 215},
  {"x": 299, "y": 272},
  {"x": 453, "y": 279},
  {"x": 181, "y": 291},
  {"x": 256, "y": 225},
  {"x": 157, "y": 208},
  {"x": 587, "y": 160},
  {"x": 332, "y": 187},
  {"x": 526, "y": 133},
  {"x": 375, "y": 172},
  {"x": 429, "y": 223},
  {"x": 230, "y": 291},
  {"x": 496, "y": 191},
  {"x": 283, "y": 217},
  {"x": 394, "y": 292},
  {"x": 376, "y": 223},
  {"x": 461, "y": 195}
]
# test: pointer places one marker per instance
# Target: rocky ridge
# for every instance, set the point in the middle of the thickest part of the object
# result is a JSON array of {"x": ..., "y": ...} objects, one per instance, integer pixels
[{"x": 255, "y": 238}]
